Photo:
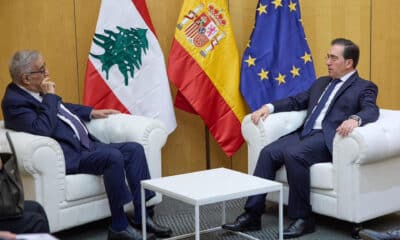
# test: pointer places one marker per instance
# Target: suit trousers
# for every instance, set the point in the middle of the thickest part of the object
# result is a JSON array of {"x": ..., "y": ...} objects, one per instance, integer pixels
[
  {"x": 297, "y": 154},
  {"x": 115, "y": 161},
  {"x": 34, "y": 220}
]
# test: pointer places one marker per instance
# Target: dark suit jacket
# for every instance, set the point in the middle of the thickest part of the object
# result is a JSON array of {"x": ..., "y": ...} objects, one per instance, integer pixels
[
  {"x": 22, "y": 112},
  {"x": 355, "y": 97}
]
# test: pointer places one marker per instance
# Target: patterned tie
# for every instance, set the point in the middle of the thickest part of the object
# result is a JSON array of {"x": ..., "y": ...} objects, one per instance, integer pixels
[
  {"x": 308, "y": 126},
  {"x": 83, "y": 136}
]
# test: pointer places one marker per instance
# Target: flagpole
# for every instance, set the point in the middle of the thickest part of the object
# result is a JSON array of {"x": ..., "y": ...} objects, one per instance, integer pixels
[{"x": 207, "y": 138}]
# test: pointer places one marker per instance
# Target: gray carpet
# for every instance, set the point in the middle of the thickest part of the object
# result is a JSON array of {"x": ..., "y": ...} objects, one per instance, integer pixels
[{"x": 180, "y": 217}]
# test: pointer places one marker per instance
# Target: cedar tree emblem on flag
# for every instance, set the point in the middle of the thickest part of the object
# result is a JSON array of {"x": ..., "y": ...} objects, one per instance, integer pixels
[
  {"x": 126, "y": 68},
  {"x": 123, "y": 48}
]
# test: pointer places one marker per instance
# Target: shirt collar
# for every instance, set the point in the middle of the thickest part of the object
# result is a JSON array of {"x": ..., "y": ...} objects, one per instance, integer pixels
[
  {"x": 347, "y": 76},
  {"x": 35, "y": 95}
]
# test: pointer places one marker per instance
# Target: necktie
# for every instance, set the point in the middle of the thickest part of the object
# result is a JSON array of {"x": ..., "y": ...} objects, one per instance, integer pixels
[
  {"x": 83, "y": 136},
  {"x": 308, "y": 126}
]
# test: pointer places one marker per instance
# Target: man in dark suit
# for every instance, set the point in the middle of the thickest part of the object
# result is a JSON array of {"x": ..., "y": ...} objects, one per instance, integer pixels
[
  {"x": 337, "y": 103},
  {"x": 30, "y": 104}
]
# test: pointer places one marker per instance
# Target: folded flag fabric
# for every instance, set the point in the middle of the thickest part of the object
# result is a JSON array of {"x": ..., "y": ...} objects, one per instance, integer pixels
[
  {"x": 277, "y": 62},
  {"x": 126, "y": 69},
  {"x": 204, "y": 66}
]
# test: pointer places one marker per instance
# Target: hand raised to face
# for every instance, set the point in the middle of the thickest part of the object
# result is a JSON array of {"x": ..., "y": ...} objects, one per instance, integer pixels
[{"x": 47, "y": 86}]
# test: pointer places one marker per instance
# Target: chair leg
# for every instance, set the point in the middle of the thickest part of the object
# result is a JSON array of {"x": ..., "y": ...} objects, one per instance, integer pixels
[{"x": 357, "y": 227}]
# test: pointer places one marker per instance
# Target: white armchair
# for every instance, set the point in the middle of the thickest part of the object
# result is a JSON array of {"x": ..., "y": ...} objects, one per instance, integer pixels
[
  {"x": 71, "y": 200},
  {"x": 361, "y": 183}
]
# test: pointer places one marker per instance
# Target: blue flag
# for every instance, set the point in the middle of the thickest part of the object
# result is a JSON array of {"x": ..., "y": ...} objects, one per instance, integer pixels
[{"x": 277, "y": 62}]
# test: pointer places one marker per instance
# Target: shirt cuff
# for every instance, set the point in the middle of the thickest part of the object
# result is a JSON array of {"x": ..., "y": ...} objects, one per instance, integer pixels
[{"x": 270, "y": 107}]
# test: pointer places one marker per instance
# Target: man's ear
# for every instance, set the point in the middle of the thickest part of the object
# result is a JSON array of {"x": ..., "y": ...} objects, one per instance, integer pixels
[
  {"x": 25, "y": 79},
  {"x": 349, "y": 63}
]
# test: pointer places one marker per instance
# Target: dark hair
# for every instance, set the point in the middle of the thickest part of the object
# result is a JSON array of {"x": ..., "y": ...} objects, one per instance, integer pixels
[{"x": 351, "y": 50}]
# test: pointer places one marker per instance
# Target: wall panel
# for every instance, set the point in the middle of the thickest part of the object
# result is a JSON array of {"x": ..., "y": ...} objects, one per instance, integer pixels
[
  {"x": 86, "y": 13},
  {"x": 329, "y": 19},
  {"x": 47, "y": 26},
  {"x": 386, "y": 51}
]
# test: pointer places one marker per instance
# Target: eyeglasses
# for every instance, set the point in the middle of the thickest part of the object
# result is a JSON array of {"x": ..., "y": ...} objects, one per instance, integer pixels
[{"x": 42, "y": 70}]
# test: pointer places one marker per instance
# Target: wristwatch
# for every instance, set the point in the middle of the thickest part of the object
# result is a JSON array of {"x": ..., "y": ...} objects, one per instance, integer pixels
[{"x": 357, "y": 118}]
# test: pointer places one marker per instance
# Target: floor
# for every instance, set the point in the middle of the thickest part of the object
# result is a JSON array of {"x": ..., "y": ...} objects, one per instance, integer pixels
[{"x": 179, "y": 216}]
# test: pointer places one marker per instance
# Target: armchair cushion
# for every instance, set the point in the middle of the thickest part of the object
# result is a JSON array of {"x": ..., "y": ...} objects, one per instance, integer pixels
[
  {"x": 321, "y": 176},
  {"x": 81, "y": 186}
]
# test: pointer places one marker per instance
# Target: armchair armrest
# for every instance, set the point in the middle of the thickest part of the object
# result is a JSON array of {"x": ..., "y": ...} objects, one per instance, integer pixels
[
  {"x": 273, "y": 127},
  {"x": 366, "y": 167},
  {"x": 115, "y": 127},
  {"x": 373, "y": 142},
  {"x": 42, "y": 168},
  {"x": 150, "y": 133}
]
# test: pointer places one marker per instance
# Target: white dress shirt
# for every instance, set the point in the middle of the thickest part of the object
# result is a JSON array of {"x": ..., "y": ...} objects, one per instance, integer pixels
[{"x": 320, "y": 118}]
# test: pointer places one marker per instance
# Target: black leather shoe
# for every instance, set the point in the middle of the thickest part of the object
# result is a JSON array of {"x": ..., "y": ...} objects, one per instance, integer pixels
[
  {"x": 152, "y": 227},
  {"x": 128, "y": 234},
  {"x": 299, "y": 227},
  {"x": 245, "y": 222},
  {"x": 367, "y": 234}
]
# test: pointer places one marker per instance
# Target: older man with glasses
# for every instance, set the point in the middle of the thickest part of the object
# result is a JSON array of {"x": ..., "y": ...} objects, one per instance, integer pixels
[{"x": 31, "y": 104}]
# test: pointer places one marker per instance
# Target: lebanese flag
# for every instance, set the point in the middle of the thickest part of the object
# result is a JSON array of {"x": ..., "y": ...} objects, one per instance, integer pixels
[
  {"x": 204, "y": 66},
  {"x": 126, "y": 69}
]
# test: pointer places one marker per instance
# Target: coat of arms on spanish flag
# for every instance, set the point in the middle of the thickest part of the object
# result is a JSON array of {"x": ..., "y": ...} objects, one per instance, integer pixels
[{"x": 204, "y": 66}]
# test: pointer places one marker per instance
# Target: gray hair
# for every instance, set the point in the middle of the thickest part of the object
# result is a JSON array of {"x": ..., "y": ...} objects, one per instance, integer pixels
[{"x": 21, "y": 63}]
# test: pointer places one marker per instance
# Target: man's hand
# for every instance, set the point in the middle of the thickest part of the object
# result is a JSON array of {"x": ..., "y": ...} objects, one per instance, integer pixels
[
  {"x": 48, "y": 86},
  {"x": 262, "y": 113},
  {"x": 347, "y": 127},
  {"x": 7, "y": 235},
  {"x": 102, "y": 113}
]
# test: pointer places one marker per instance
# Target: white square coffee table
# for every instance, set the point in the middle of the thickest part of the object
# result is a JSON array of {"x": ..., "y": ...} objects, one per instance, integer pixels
[{"x": 210, "y": 186}]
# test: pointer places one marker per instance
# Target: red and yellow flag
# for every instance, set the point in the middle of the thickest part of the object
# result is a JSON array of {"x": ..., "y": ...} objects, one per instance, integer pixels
[{"x": 204, "y": 66}]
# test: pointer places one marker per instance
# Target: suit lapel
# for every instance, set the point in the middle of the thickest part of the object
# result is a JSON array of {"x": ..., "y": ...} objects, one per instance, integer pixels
[
  {"x": 23, "y": 92},
  {"x": 343, "y": 88}
]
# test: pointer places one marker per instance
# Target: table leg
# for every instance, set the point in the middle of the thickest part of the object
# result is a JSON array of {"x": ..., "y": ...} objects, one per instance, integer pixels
[
  {"x": 280, "y": 214},
  {"x": 143, "y": 201},
  {"x": 197, "y": 222},
  {"x": 223, "y": 213}
]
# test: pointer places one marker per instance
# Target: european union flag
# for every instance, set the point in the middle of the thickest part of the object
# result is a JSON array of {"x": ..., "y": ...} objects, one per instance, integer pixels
[{"x": 277, "y": 62}]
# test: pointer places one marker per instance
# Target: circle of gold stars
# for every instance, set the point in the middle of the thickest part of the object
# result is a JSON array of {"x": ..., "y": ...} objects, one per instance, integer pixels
[{"x": 251, "y": 61}]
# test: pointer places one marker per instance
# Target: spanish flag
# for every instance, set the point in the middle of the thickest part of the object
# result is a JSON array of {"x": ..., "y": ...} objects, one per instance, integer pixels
[{"x": 204, "y": 66}]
